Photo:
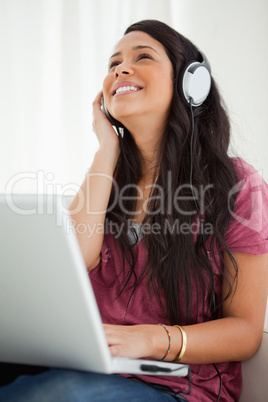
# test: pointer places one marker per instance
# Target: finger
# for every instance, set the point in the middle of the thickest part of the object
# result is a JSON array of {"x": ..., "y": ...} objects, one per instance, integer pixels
[
  {"x": 114, "y": 337},
  {"x": 97, "y": 100},
  {"x": 99, "y": 95},
  {"x": 114, "y": 350},
  {"x": 110, "y": 328}
]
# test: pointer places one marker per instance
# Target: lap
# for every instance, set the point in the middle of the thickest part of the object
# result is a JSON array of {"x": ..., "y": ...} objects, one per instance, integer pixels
[{"x": 76, "y": 386}]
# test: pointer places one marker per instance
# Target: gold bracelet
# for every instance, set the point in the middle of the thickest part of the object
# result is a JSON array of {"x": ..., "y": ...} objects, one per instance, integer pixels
[{"x": 183, "y": 345}]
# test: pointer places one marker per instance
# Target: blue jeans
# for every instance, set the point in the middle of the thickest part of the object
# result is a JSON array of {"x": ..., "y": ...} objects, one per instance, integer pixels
[{"x": 57, "y": 385}]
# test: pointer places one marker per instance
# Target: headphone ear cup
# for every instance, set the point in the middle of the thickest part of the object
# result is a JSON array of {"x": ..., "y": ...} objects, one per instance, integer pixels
[
  {"x": 196, "y": 83},
  {"x": 111, "y": 119}
]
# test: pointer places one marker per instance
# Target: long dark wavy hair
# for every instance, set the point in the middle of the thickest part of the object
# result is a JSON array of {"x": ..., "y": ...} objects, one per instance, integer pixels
[{"x": 178, "y": 264}]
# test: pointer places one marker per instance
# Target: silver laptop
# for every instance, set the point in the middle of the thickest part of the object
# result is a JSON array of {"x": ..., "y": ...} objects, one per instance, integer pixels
[{"x": 48, "y": 312}]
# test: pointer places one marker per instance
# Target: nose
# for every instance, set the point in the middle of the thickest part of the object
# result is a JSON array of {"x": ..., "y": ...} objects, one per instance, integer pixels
[{"x": 122, "y": 69}]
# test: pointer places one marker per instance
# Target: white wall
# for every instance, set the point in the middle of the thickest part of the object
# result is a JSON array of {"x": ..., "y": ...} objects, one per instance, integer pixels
[{"x": 233, "y": 34}]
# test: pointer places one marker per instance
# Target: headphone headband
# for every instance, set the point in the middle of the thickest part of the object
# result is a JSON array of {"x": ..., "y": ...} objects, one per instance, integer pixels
[{"x": 196, "y": 81}]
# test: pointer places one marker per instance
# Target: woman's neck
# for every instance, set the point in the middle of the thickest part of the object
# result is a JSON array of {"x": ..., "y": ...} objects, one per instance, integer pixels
[{"x": 148, "y": 140}]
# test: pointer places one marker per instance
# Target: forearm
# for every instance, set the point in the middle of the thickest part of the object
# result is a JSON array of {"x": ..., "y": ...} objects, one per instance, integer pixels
[
  {"x": 226, "y": 339},
  {"x": 237, "y": 336},
  {"x": 88, "y": 209}
]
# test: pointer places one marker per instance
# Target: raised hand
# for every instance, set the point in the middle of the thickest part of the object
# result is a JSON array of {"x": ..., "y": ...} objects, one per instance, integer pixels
[{"x": 102, "y": 127}]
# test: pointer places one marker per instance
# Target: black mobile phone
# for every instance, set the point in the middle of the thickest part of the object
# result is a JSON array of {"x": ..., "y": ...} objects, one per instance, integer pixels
[{"x": 111, "y": 119}]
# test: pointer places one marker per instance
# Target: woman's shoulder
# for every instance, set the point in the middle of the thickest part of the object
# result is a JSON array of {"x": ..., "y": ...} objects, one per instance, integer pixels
[
  {"x": 248, "y": 228},
  {"x": 243, "y": 169},
  {"x": 248, "y": 179}
]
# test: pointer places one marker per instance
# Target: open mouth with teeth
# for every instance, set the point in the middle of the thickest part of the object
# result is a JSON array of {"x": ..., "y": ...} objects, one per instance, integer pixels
[{"x": 126, "y": 89}]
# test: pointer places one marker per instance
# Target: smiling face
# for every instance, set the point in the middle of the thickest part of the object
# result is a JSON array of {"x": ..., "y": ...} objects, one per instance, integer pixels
[{"x": 139, "y": 83}]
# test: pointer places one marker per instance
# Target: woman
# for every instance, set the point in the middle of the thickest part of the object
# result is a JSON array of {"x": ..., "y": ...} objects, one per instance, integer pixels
[{"x": 178, "y": 235}]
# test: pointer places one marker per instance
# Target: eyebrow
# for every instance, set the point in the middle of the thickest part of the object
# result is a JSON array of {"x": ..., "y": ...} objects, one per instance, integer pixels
[{"x": 136, "y": 48}]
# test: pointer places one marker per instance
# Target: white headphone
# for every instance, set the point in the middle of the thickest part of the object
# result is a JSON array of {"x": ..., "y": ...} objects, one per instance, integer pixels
[{"x": 196, "y": 81}]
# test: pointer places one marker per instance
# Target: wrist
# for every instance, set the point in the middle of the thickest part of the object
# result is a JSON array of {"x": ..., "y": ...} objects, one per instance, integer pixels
[
  {"x": 165, "y": 338},
  {"x": 182, "y": 351},
  {"x": 110, "y": 146},
  {"x": 106, "y": 157}
]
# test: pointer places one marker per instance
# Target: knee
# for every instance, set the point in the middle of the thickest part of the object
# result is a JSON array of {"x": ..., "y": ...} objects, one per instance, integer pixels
[{"x": 56, "y": 385}]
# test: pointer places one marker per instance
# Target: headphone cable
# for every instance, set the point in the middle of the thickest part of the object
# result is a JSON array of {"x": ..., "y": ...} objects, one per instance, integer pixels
[{"x": 200, "y": 218}]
